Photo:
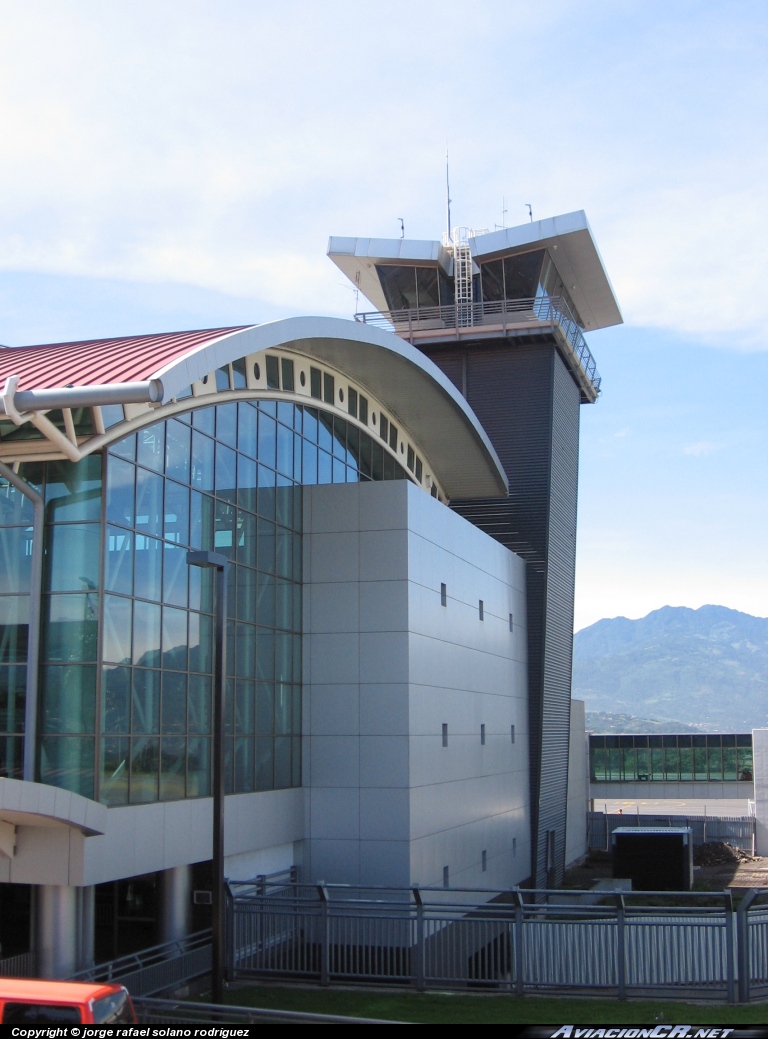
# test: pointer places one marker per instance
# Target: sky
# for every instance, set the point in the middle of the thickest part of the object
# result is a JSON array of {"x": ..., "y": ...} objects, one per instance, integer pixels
[{"x": 172, "y": 164}]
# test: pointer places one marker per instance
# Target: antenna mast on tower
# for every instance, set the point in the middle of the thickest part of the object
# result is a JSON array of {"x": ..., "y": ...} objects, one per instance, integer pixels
[{"x": 447, "y": 198}]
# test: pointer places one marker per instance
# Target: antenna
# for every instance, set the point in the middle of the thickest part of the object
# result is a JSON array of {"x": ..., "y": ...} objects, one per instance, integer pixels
[
  {"x": 447, "y": 196},
  {"x": 530, "y": 211},
  {"x": 402, "y": 227},
  {"x": 503, "y": 212}
]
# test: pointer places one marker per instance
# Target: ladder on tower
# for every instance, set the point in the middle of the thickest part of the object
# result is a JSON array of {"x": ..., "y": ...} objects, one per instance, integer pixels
[{"x": 462, "y": 276}]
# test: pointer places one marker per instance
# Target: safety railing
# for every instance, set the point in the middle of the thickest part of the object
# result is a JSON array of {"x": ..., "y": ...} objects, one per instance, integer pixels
[
  {"x": 504, "y": 314},
  {"x": 752, "y": 930},
  {"x": 519, "y": 941},
  {"x": 23, "y": 965},
  {"x": 643, "y": 944},
  {"x": 156, "y": 969}
]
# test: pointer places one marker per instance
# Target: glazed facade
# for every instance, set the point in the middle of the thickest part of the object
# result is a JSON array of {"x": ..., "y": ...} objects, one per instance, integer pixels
[
  {"x": 712, "y": 757},
  {"x": 125, "y": 659}
]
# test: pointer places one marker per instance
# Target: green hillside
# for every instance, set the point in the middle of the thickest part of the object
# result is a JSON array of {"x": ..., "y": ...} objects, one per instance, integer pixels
[{"x": 707, "y": 668}]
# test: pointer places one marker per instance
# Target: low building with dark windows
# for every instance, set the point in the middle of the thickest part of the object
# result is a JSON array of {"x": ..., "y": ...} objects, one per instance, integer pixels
[
  {"x": 399, "y": 522},
  {"x": 675, "y": 766}
]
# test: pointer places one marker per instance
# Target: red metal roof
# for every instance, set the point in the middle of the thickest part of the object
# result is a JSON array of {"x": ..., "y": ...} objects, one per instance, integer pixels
[{"x": 101, "y": 361}]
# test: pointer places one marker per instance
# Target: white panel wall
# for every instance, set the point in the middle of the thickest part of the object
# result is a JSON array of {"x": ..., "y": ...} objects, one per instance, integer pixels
[
  {"x": 385, "y": 666},
  {"x": 760, "y": 772},
  {"x": 146, "y": 838},
  {"x": 578, "y": 785}
]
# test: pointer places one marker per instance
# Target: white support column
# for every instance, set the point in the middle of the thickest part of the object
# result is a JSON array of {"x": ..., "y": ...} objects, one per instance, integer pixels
[
  {"x": 760, "y": 772},
  {"x": 175, "y": 911},
  {"x": 87, "y": 915},
  {"x": 57, "y": 930}
]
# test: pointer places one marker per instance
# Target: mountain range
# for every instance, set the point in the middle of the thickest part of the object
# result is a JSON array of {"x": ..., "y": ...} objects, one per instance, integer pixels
[{"x": 706, "y": 668}]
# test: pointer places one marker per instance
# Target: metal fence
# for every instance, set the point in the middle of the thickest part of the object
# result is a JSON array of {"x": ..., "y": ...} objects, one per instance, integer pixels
[
  {"x": 738, "y": 831},
  {"x": 22, "y": 966},
  {"x": 644, "y": 944},
  {"x": 157, "y": 969},
  {"x": 752, "y": 931},
  {"x": 515, "y": 941}
]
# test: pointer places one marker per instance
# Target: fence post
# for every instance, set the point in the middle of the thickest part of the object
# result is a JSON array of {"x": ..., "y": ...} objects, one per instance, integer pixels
[
  {"x": 419, "y": 950},
  {"x": 324, "y": 935},
  {"x": 742, "y": 943},
  {"x": 229, "y": 934},
  {"x": 519, "y": 958},
  {"x": 729, "y": 961},
  {"x": 621, "y": 947}
]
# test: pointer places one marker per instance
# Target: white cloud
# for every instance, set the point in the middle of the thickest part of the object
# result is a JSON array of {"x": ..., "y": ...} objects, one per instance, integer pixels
[
  {"x": 221, "y": 144},
  {"x": 701, "y": 448}
]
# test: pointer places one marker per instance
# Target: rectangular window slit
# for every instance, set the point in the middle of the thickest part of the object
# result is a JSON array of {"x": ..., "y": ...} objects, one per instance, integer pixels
[
  {"x": 411, "y": 458},
  {"x": 511, "y": 623},
  {"x": 238, "y": 374},
  {"x": 273, "y": 373},
  {"x": 352, "y": 401},
  {"x": 446, "y": 877},
  {"x": 443, "y": 595},
  {"x": 445, "y": 734},
  {"x": 482, "y": 734},
  {"x": 328, "y": 388},
  {"x": 383, "y": 427},
  {"x": 316, "y": 383},
  {"x": 512, "y": 732},
  {"x": 286, "y": 365},
  {"x": 363, "y": 410},
  {"x": 393, "y": 436},
  {"x": 480, "y": 610}
]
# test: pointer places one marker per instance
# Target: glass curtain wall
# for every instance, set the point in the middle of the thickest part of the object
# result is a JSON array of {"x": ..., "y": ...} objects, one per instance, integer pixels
[
  {"x": 406, "y": 288},
  {"x": 126, "y": 670},
  {"x": 16, "y": 518},
  {"x": 671, "y": 758},
  {"x": 70, "y": 623}
]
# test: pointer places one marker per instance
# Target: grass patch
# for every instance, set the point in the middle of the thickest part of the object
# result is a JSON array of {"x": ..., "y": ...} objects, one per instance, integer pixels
[{"x": 458, "y": 1008}]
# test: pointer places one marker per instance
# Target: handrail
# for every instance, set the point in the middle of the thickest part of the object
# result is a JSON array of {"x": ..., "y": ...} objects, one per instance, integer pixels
[
  {"x": 543, "y": 308},
  {"x": 115, "y": 969},
  {"x": 539, "y": 900}
]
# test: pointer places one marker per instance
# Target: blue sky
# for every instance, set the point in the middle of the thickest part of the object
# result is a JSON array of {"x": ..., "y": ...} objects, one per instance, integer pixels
[{"x": 172, "y": 164}]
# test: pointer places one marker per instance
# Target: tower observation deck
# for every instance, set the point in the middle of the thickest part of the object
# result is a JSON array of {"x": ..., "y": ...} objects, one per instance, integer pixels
[{"x": 504, "y": 315}]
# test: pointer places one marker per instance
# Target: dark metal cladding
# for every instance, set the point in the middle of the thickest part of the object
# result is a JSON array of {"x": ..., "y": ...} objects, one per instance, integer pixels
[{"x": 528, "y": 403}]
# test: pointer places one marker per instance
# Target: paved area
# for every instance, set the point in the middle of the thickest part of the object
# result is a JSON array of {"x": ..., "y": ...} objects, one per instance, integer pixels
[{"x": 657, "y": 806}]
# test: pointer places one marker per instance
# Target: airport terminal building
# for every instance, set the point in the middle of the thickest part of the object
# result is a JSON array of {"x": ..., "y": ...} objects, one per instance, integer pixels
[{"x": 396, "y": 498}]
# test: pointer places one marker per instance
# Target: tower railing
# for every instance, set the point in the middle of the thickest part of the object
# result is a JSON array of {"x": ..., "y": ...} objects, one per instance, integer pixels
[{"x": 488, "y": 317}]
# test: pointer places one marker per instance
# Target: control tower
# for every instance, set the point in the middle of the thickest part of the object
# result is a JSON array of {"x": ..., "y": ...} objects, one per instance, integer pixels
[{"x": 504, "y": 315}]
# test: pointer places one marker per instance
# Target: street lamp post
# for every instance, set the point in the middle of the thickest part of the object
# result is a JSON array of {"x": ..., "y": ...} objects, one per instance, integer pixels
[{"x": 218, "y": 562}]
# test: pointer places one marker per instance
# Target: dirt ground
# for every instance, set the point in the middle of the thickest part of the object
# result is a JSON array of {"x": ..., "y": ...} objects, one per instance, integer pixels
[{"x": 716, "y": 866}]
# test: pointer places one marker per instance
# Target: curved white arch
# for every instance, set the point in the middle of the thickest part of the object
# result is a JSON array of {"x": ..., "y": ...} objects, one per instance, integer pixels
[{"x": 410, "y": 385}]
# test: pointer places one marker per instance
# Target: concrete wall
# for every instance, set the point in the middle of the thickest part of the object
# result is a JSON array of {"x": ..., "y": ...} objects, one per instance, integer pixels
[
  {"x": 578, "y": 786},
  {"x": 760, "y": 772},
  {"x": 657, "y": 790},
  {"x": 146, "y": 838},
  {"x": 386, "y": 665}
]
